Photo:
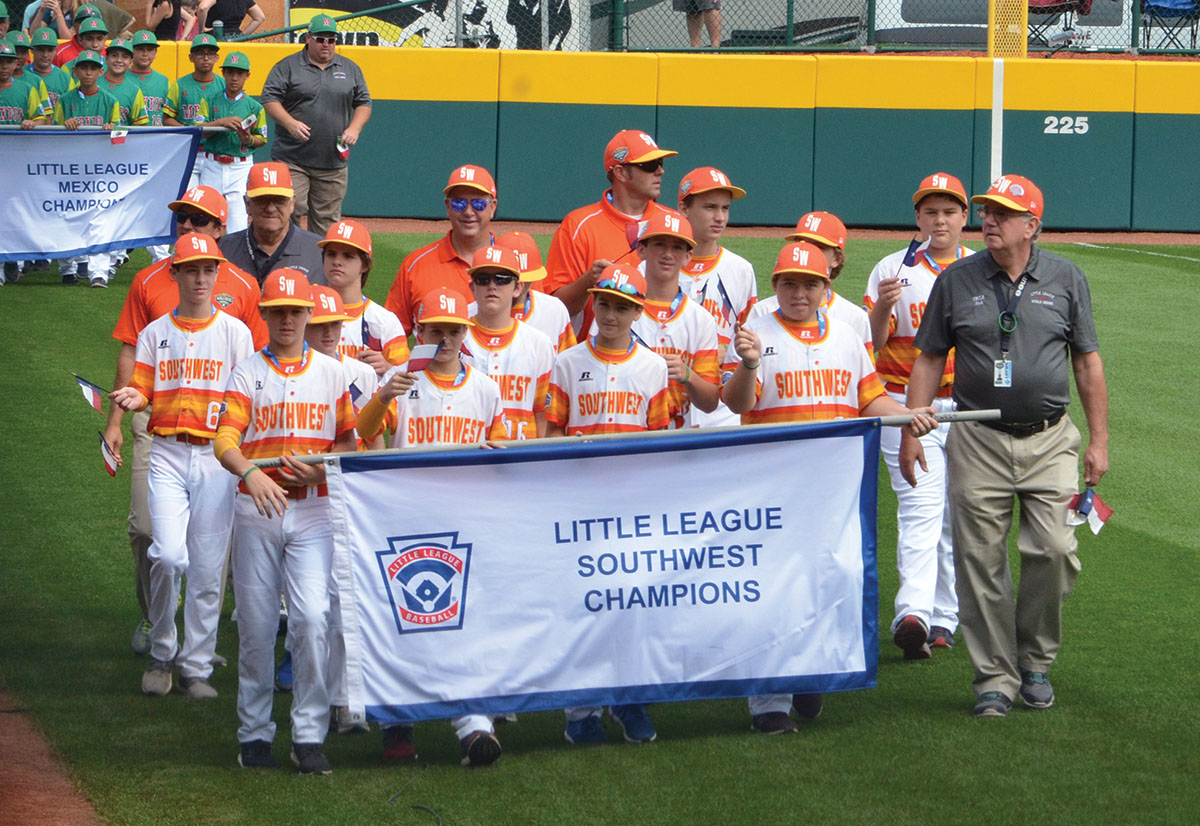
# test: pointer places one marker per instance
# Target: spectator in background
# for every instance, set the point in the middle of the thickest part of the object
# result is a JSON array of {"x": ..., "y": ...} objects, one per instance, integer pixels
[
  {"x": 90, "y": 33},
  {"x": 162, "y": 18},
  {"x": 321, "y": 103},
  {"x": 63, "y": 14},
  {"x": 706, "y": 13},
  {"x": 231, "y": 14}
]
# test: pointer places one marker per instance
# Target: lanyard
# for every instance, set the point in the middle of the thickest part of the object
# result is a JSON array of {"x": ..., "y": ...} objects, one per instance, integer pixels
[
  {"x": 528, "y": 304},
  {"x": 1007, "y": 320},
  {"x": 675, "y": 302},
  {"x": 275, "y": 359},
  {"x": 820, "y": 322},
  {"x": 261, "y": 272},
  {"x": 934, "y": 265}
]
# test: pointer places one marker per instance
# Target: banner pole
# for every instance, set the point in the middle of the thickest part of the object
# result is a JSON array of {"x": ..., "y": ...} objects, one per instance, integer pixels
[{"x": 885, "y": 421}]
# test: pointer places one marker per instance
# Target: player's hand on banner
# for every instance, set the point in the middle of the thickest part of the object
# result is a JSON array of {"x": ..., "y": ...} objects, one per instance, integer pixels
[
  {"x": 912, "y": 453},
  {"x": 1095, "y": 463},
  {"x": 115, "y": 438},
  {"x": 375, "y": 358},
  {"x": 299, "y": 473},
  {"x": 923, "y": 421},
  {"x": 128, "y": 399},
  {"x": 747, "y": 345},
  {"x": 72, "y": 124},
  {"x": 397, "y": 385},
  {"x": 299, "y": 130},
  {"x": 889, "y": 292},
  {"x": 267, "y": 495}
]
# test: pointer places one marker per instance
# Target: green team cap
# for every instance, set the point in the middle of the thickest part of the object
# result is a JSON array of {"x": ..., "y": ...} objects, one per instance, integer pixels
[
  {"x": 145, "y": 37},
  {"x": 3, "y": 11},
  {"x": 89, "y": 56},
  {"x": 322, "y": 24},
  {"x": 236, "y": 60},
  {"x": 204, "y": 41},
  {"x": 19, "y": 39},
  {"x": 85, "y": 11},
  {"x": 120, "y": 43},
  {"x": 45, "y": 36},
  {"x": 7, "y": 50},
  {"x": 93, "y": 24}
]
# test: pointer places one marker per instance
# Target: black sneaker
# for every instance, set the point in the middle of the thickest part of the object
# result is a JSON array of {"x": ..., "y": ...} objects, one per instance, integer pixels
[
  {"x": 70, "y": 280},
  {"x": 774, "y": 722},
  {"x": 256, "y": 754},
  {"x": 12, "y": 272},
  {"x": 309, "y": 758},
  {"x": 992, "y": 704},
  {"x": 940, "y": 637},
  {"x": 1036, "y": 691},
  {"x": 808, "y": 705},
  {"x": 398, "y": 743},
  {"x": 480, "y": 748}
]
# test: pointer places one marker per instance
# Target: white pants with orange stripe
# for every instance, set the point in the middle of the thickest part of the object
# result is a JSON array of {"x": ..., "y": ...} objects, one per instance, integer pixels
[
  {"x": 293, "y": 552},
  {"x": 191, "y": 514}
]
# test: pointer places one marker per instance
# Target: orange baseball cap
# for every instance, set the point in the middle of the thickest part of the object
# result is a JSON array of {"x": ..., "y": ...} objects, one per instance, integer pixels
[
  {"x": 802, "y": 257},
  {"x": 286, "y": 287},
  {"x": 206, "y": 199},
  {"x": 196, "y": 246},
  {"x": 475, "y": 177},
  {"x": 269, "y": 178},
  {"x": 632, "y": 146},
  {"x": 821, "y": 227},
  {"x": 706, "y": 179},
  {"x": 623, "y": 282},
  {"x": 328, "y": 305},
  {"x": 669, "y": 223},
  {"x": 1014, "y": 192},
  {"x": 444, "y": 304},
  {"x": 528, "y": 254},
  {"x": 350, "y": 233},
  {"x": 941, "y": 183},
  {"x": 495, "y": 258}
]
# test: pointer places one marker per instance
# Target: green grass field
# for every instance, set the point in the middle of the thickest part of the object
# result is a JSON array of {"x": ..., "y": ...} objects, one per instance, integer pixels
[{"x": 1121, "y": 745}]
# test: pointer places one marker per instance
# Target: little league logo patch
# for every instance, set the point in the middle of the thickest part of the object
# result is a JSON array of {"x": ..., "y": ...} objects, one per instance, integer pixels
[
  {"x": 426, "y": 581},
  {"x": 223, "y": 300}
]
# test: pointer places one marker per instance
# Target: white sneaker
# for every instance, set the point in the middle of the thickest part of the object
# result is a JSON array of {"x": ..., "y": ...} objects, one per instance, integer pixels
[{"x": 156, "y": 681}]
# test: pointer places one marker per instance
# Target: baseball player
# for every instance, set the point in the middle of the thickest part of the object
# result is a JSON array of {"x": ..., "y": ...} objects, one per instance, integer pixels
[
  {"x": 827, "y": 232},
  {"x": 450, "y": 402},
  {"x": 286, "y": 399},
  {"x": 534, "y": 307},
  {"x": 20, "y": 43},
  {"x": 152, "y": 294},
  {"x": 716, "y": 278},
  {"x": 118, "y": 59},
  {"x": 671, "y": 324},
  {"x": 791, "y": 387},
  {"x": 514, "y": 354},
  {"x": 155, "y": 86},
  {"x": 90, "y": 34},
  {"x": 227, "y": 157},
  {"x": 374, "y": 336},
  {"x": 926, "y": 603},
  {"x": 183, "y": 361},
  {"x": 43, "y": 44},
  {"x": 594, "y": 236},
  {"x": 610, "y": 383},
  {"x": 185, "y": 96},
  {"x": 20, "y": 103}
]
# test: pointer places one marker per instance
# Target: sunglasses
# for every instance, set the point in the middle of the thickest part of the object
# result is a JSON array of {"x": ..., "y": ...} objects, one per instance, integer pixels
[
  {"x": 199, "y": 221},
  {"x": 482, "y": 279},
  {"x": 648, "y": 166},
  {"x": 477, "y": 204},
  {"x": 611, "y": 284},
  {"x": 325, "y": 40}
]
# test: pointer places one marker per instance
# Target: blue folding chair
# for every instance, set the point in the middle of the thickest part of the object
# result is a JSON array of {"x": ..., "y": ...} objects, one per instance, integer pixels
[{"x": 1173, "y": 18}]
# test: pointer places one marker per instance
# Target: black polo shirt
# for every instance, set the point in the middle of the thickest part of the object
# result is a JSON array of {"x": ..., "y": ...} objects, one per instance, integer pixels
[{"x": 299, "y": 251}]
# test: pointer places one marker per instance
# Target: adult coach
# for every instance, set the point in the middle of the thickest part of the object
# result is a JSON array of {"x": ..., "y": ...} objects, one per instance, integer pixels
[
  {"x": 272, "y": 241},
  {"x": 321, "y": 103},
  {"x": 595, "y": 236},
  {"x": 1013, "y": 313}
]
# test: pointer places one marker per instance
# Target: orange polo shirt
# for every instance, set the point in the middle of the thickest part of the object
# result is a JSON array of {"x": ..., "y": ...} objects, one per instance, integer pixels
[{"x": 429, "y": 268}]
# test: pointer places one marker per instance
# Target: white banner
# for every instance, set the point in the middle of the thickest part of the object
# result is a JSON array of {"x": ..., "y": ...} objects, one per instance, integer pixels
[
  {"x": 683, "y": 567},
  {"x": 76, "y": 193}
]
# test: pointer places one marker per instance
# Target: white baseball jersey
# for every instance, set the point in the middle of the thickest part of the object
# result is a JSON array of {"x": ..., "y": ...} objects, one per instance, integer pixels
[
  {"x": 288, "y": 406},
  {"x": 895, "y": 359},
  {"x": 602, "y": 391},
  {"x": 807, "y": 373},
  {"x": 684, "y": 329},
  {"x": 519, "y": 360},
  {"x": 182, "y": 366},
  {"x": 373, "y": 327},
  {"x": 465, "y": 410},
  {"x": 548, "y": 314},
  {"x": 836, "y": 306}
]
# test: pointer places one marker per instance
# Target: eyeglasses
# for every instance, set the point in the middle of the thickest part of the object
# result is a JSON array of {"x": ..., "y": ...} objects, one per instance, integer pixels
[
  {"x": 477, "y": 204},
  {"x": 1000, "y": 215},
  {"x": 611, "y": 284},
  {"x": 648, "y": 166},
  {"x": 325, "y": 40},
  {"x": 482, "y": 279},
  {"x": 198, "y": 220}
]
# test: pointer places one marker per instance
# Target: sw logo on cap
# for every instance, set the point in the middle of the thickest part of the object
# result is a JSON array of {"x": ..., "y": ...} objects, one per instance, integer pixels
[{"x": 426, "y": 581}]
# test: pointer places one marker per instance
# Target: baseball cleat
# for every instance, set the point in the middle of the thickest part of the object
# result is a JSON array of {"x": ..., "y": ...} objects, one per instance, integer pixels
[
  {"x": 774, "y": 722},
  {"x": 310, "y": 759},
  {"x": 940, "y": 637},
  {"x": 398, "y": 743},
  {"x": 256, "y": 755},
  {"x": 587, "y": 730},
  {"x": 156, "y": 680},
  {"x": 480, "y": 748},
  {"x": 911, "y": 637},
  {"x": 634, "y": 722},
  {"x": 141, "y": 638}
]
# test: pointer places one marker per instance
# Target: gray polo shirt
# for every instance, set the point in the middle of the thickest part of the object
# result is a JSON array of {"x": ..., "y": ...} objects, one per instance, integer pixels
[
  {"x": 1054, "y": 320},
  {"x": 325, "y": 99},
  {"x": 299, "y": 251}
]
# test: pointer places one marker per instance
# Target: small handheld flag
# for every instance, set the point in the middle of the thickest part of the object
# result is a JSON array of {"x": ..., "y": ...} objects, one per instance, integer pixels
[
  {"x": 1090, "y": 508},
  {"x": 421, "y": 356},
  {"x": 370, "y": 342},
  {"x": 92, "y": 394},
  {"x": 117, "y": 136},
  {"x": 110, "y": 458},
  {"x": 726, "y": 303},
  {"x": 355, "y": 393},
  {"x": 910, "y": 257}
]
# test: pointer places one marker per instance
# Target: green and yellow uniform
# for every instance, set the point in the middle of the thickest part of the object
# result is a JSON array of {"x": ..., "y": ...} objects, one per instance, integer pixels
[
  {"x": 18, "y": 102},
  {"x": 241, "y": 107},
  {"x": 93, "y": 110},
  {"x": 55, "y": 81},
  {"x": 186, "y": 95},
  {"x": 155, "y": 87},
  {"x": 129, "y": 97}
]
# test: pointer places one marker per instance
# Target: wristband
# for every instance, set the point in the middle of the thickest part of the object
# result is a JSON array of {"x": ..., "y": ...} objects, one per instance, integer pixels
[
  {"x": 688, "y": 376},
  {"x": 248, "y": 472},
  {"x": 752, "y": 366}
]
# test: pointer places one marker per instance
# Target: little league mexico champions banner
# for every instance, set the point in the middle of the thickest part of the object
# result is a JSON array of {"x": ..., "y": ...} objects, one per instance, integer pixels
[
  {"x": 76, "y": 193},
  {"x": 683, "y": 567}
]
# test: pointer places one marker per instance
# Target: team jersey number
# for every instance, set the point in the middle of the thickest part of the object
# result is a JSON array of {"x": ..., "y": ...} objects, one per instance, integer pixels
[
  {"x": 215, "y": 409},
  {"x": 915, "y": 311}
]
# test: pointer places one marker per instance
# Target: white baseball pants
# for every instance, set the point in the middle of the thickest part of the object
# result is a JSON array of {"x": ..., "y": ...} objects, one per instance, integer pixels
[{"x": 230, "y": 180}]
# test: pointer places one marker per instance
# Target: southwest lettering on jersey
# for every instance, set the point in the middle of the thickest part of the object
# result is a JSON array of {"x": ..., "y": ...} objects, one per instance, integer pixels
[
  {"x": 614, "y": 401},
  {"x": 294, "y": 415},
  {"x": 806, "y": 383},
  {"x": 444, "y": 430},
  {"x": 513, "y": 388},
  {"x": 190, "y": 369}
]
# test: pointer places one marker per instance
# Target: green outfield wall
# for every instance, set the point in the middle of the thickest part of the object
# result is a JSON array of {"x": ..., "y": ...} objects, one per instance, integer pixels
[{"x": 1109, "y": 141}]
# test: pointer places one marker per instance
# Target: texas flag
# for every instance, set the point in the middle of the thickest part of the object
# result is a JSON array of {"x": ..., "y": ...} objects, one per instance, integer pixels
[
  {"x": 371, "y": 342},
  {"x": 910, "y": 256},
  {"x": 421, "y": 356},
  {"x": 110, "y": 458},
  {"x": 91, "y": 393},
  {"x": 1090, "y": 508}
]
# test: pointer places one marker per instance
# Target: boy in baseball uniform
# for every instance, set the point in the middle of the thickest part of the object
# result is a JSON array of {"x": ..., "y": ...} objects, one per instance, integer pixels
[
  {"x": 534, "y": 307},
  {"x": 183, "y": 361},
  {"x": 284, "y": 400},
  {"x": 188, "y": 93},
  {"x": 926, "y": 606},
  {"x": 226, "y": 158},
  {"x": 799, "y": 364}
]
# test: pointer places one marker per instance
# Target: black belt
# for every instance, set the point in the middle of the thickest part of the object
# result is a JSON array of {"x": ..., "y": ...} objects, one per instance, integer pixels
[{"x": 1023, "y": 430}]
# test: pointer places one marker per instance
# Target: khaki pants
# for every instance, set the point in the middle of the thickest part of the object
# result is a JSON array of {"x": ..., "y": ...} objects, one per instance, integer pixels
[
  {"x": 986, "y": 469},
  {"x": 319, "y": 195}
]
